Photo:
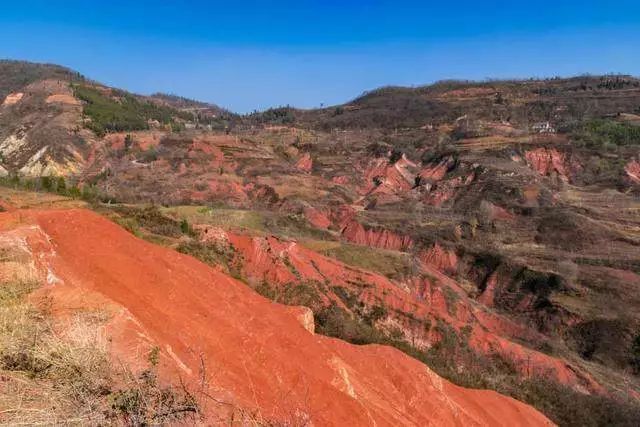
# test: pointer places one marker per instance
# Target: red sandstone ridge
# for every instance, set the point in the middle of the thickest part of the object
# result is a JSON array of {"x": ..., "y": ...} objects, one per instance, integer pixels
[
  {"x": 382, "y": 178},
  {"x": 259, "y": 354},
  {"x": 379, "y": 238},
  {"x": 547, "y": 161},
  {"x": 436, "y": 171}
]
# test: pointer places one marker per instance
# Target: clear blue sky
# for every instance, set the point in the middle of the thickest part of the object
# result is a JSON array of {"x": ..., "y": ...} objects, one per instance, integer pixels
[{"x": 249, "y": 55}]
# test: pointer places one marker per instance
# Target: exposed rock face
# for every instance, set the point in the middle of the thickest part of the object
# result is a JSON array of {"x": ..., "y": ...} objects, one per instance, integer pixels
[
  {"x": 305, "y": 163},
  {"x": 255, "y": 351},
  {"x": 436, "y": 171},
  {"x": 41, "y": 131},
  {"x": 62, "y": 98},
  {"x": 214, "y": 235},
  {"x": 12, "y": 98},
  {"x": 633, "y": 171},
  {"x": 441, "y": 259},
  {"x": 446, "y": 189},
  {"x": 548, "y": 161},
  {"x": 384, "y": 181},
  {"x": 288, "y": 264},
  {"x": 384, "y": 239},
  {"x": 305, "y": 317}
]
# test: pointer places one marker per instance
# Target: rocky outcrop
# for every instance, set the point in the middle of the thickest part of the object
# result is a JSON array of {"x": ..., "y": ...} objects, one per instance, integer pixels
[
  {"x": 41, "y": 132},
  {"x": 549, "y": 161},
  {"x": 410, "y": 305},
  {"x": 444, "y": 190},
  {"x": 632, "y": 170},
  {"x": 435, "y": 171},
  {"x": 304, "y": 316},
  {"x": 305, "y": 163},
  {"x": 378, "y": 238},
  {"x": 12, "y": 98},
  {"x": 383, "y": 179},
  {"x": 245, "y": 351},
  {"x": 441, "y": 259}
]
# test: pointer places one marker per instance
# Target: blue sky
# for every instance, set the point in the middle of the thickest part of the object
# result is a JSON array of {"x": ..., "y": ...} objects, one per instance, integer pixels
[{"x": 255, "y": 54}]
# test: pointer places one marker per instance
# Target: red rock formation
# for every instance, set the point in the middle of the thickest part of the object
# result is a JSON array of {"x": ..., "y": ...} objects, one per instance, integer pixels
[
  {"x": 547, "y": 161},
  {"x": 342, "y": 215},
  {"x": 378, "y": 238},
  {"x": 441, "y": 259},
  {"x": 286, "y": 263},
  {"x": 446, "y": 189},
  {"x": 316, "y": 217},
  {"x": 633, "y": 171},
  {"x": 488, "y": 295},
  {"x": 382, "y": 178},
  {"x": 305, "y": 163},
  {"x": 259, "y": 356},
  {"x": 436, "y": 171}
]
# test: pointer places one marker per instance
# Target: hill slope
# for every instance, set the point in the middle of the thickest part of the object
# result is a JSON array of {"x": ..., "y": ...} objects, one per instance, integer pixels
[{"x": 247, "y": 353}]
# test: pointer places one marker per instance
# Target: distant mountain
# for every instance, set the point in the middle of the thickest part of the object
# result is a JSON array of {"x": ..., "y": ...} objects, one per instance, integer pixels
[{"x": 521, "y": 102}]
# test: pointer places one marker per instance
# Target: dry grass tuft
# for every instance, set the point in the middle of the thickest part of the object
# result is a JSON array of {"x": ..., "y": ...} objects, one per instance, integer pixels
[{"x": 56, "y": 371}]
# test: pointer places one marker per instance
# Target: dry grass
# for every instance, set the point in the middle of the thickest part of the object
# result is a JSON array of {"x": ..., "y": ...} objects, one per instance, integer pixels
[
  {"x": 53, "y": 373},
  {"x": 24, "y": 199},
  {"x": 219, "y": 217},
  {"x": 58, "y": 371},
  {"x": 392, "y": 264}
]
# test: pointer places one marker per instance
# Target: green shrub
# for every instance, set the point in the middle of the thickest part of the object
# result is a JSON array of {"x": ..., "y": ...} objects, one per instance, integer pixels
[
  {"x": 121, "y": 111},
  {"x": 606, "y": 134}
]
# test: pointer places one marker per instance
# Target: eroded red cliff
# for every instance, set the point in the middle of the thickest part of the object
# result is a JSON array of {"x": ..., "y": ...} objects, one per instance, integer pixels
[{"x": 258, "y": 355}]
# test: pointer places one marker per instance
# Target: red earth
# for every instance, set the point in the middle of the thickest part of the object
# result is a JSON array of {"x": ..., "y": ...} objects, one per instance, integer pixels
[
  {"x": 249, "y": 353},
  {"x": 547, "y": 161},
  {"x": 283, "y": 263}
]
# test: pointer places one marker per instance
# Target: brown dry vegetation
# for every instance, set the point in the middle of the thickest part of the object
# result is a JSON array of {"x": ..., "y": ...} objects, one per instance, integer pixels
[{"x": 59, "y": 371}]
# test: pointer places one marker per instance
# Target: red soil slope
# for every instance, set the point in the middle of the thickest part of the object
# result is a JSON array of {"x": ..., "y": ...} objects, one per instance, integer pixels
[
  {"x": 286, "y": 263},
  {"x": 257, "y": 354}
]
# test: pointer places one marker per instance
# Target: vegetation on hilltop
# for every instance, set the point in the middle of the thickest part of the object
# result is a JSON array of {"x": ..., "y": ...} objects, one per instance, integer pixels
[
  {"x": 602, "y": 134},
  {"x": 521, "y": 102},
  {"x": 118, "y": 111},
  {"x": 274, "y": 116},
  {"x": 14, "y": 75}
]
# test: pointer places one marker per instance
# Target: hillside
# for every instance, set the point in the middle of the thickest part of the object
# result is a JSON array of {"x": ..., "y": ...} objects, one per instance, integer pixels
[
  {"x": 51, "y": 118},
  {"x": 489, "y": 230},
  {"x": 15, "y": 75},
  {"x": 259, "y": 364},
  {"x": 521, "y": 103}
]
